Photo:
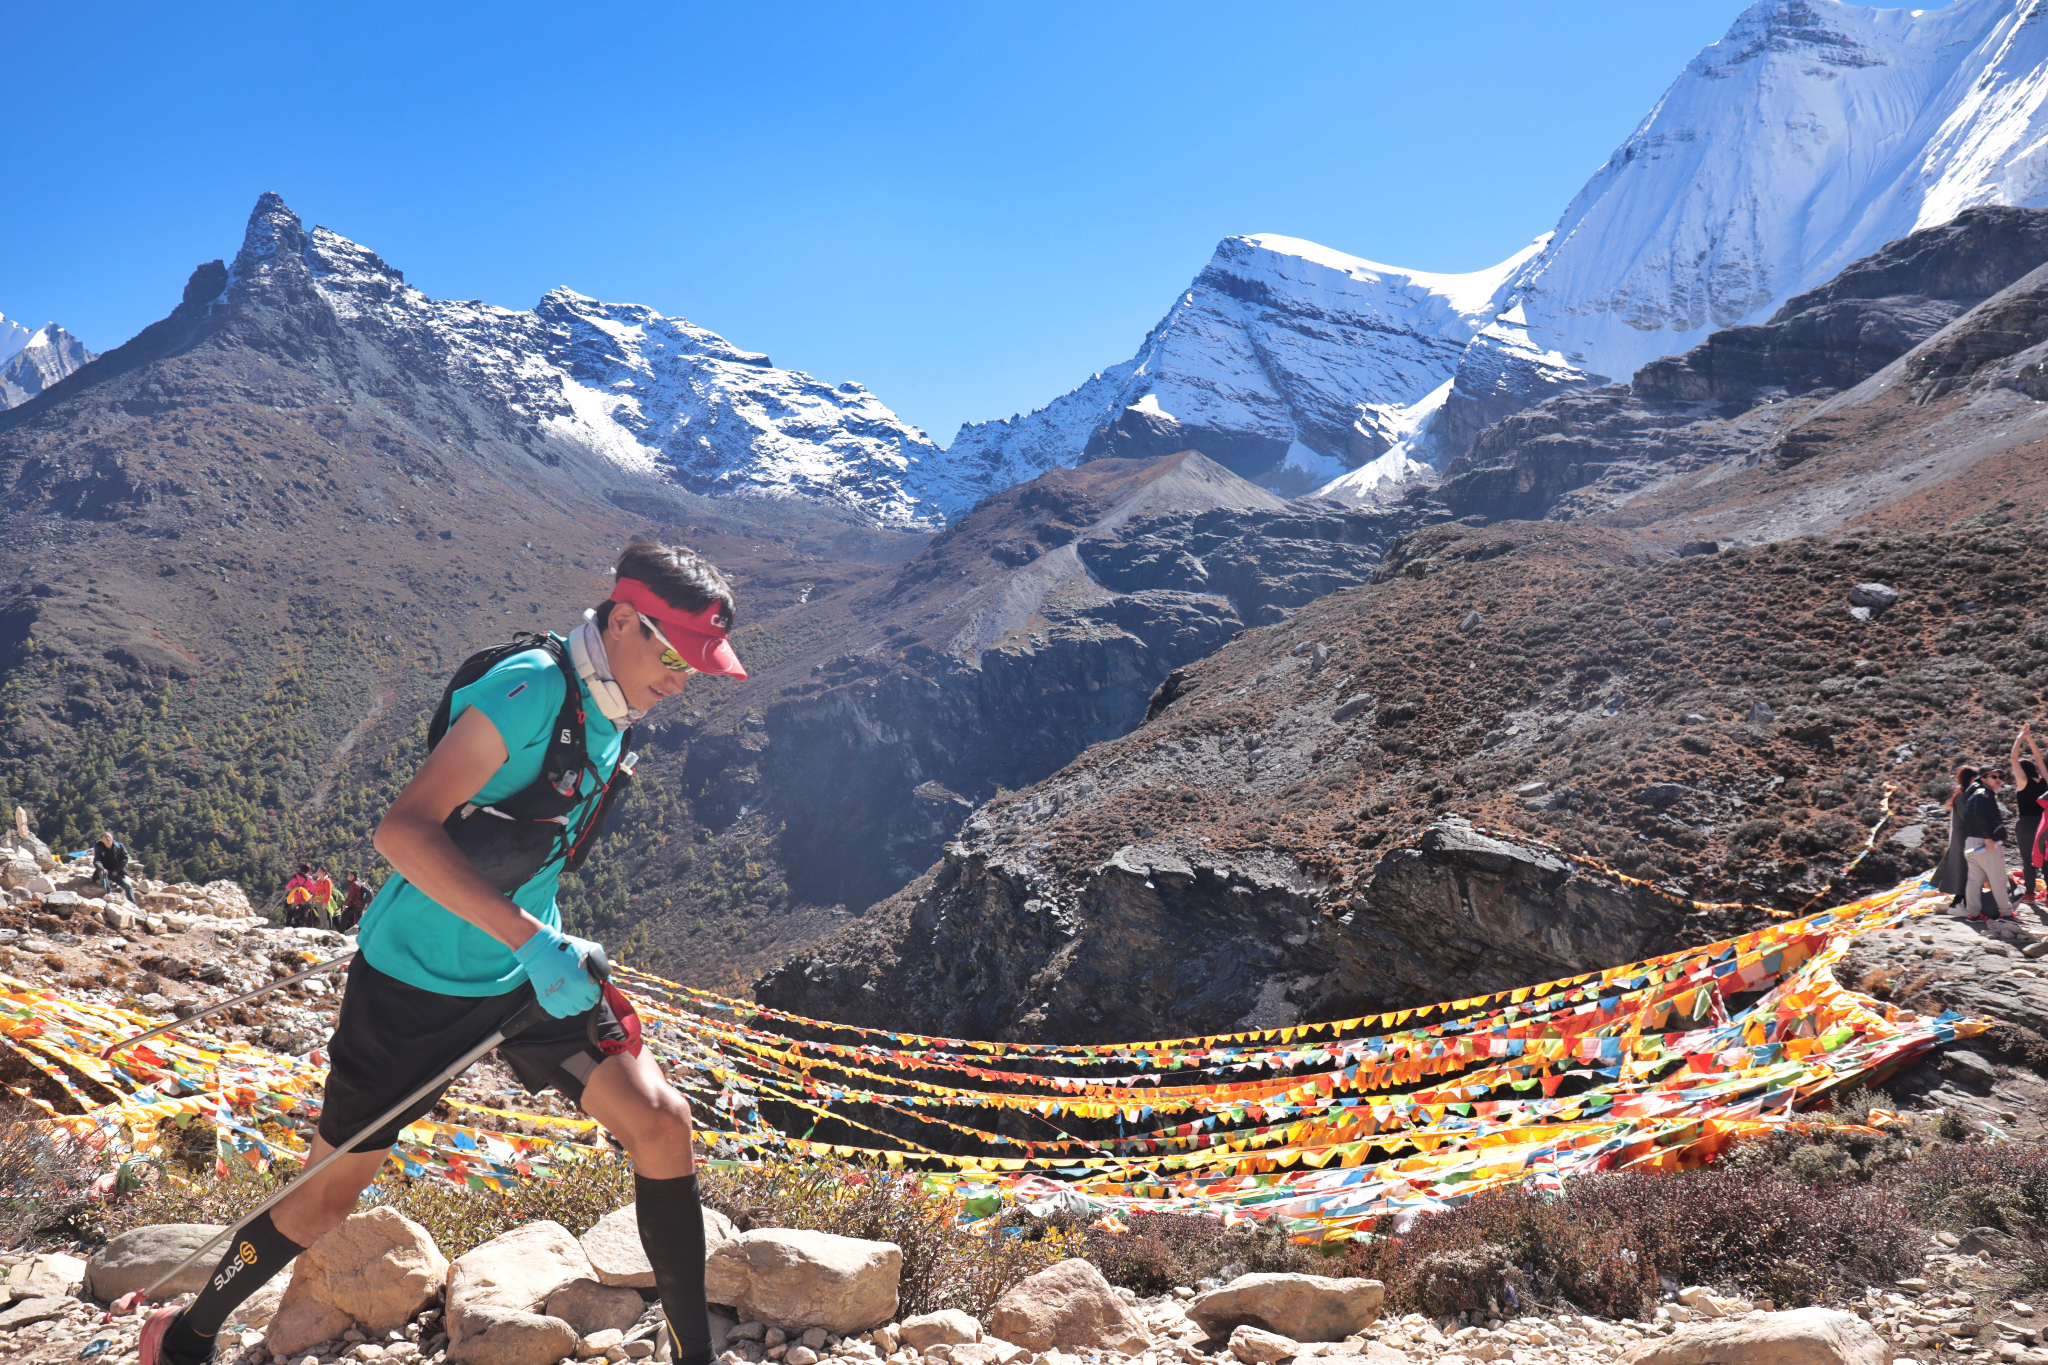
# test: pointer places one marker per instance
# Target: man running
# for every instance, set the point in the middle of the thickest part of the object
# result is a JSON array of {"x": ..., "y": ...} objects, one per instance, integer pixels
[{"x": 467, "y": 933}]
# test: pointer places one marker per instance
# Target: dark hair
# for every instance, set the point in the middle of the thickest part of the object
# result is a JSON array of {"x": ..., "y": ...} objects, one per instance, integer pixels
[
  {"x": 2033, "y": 773},
  {"x": 304, "y": 868},
  {"x": 679, "y": 576}
]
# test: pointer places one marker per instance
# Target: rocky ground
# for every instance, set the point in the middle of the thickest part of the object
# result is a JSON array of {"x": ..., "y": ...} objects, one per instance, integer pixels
[{"x": 1960, "y": 1307}]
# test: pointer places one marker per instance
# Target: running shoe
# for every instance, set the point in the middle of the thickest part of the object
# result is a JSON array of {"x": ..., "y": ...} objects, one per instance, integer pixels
[{"x": 149, "y": 1349}]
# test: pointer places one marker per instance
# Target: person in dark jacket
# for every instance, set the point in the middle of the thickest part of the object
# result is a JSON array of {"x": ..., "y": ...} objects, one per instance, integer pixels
[
  {"x": 2028, "y": 789},
  {"x": 1981, "y": 823},
  {"x": 355, "y": 895},
  {"x": 110, "y": 860}
]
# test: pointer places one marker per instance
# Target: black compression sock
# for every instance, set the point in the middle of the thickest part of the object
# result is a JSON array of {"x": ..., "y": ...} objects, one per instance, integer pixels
[
  {"x": 672, "y": 1234},
  {"x": 258, "y": 1252}
]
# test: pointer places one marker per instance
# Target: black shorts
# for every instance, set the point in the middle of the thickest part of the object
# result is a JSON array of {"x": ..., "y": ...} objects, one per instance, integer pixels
[{"x": 393, "y": 1038}]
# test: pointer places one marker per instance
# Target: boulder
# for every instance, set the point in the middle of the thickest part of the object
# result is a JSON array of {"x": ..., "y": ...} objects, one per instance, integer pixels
[
  {"x": 51, "y": 1275},
  {"x": 1876, "y": 596},
  {"x": 302, "y": 1323},
  {"x": 794, "y": 1278},
  {"x": 229, "y": 900},
  {"x": 117, "y": 916},
  {"x": 591, "y": 1307},
  {"x": 29, "y": 1311},
  {"x": 496, "y": 1335},
  {"x": 987, "y": 1351},
  {"x": 378, "y": 1267},
  {"x": 616, "y": 1257},
  {"x": 1304, "y": 1307},
  {"x": 1255, "y": 1346},
  {"x": 949, "y": 1325},
  {"x": 597, "y": 1343},
  {"x": 39, "y": 886},
  {"x": 516, "y": 1271},
  {"x": 1067, "y": 1306},
  {"x": 13, "y": 874},
  {"x": 1803, "y": 1336},
  {"x": 255, "y": 1312},
  {"x": 132, "y": 1260}
]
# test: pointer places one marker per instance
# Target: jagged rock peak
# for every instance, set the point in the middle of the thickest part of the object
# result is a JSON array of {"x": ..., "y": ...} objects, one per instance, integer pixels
[{"x": 274, "y": 237}]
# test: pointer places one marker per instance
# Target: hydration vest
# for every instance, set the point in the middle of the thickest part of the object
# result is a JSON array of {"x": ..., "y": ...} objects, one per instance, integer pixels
[{"x": 510, "y": 840}]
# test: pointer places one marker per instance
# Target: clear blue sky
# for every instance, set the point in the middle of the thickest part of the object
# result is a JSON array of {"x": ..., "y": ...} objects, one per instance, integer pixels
[{"x": 966, "y": 207}]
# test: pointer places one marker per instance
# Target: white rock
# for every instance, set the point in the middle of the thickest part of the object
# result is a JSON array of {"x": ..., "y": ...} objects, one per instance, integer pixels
[
  {"x": 617, "y": 1258},
  {"x": 799, "y": 1278},
  {"x": 516, "y": 1271}
]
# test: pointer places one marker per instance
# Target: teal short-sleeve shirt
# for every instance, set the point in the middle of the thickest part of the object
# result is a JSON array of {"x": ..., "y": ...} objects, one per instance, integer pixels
[{"x": 410, "y": 936}]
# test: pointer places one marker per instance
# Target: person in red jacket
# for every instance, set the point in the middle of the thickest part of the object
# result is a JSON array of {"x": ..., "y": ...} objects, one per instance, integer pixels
[{"x": 323, "y": 898}]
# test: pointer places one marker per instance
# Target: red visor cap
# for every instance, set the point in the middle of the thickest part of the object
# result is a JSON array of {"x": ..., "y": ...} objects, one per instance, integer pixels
[{"x": 699, "y": 638}]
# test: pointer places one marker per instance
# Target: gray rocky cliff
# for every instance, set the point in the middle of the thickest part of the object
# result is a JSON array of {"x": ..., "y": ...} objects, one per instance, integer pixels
[{"x": 1160, "y": 941}]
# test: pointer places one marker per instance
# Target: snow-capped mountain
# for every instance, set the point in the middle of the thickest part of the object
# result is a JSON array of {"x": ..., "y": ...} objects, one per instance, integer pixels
[
  {"x": 654, "y": 395},
  {"x": 1812, "y": 134},
  {"x": 31, "y": 361},
  {"x": 617, "y": 396},
  {"x": 1285, "y": 361}
]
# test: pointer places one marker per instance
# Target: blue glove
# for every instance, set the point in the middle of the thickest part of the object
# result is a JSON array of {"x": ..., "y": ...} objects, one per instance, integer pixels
[{"x": 554, "y": 964}]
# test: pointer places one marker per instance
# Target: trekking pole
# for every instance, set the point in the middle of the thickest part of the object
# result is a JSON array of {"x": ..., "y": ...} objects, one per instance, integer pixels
[
  {"x": 519, "y": 1020},
  {"x": 112, "y": 1048}
]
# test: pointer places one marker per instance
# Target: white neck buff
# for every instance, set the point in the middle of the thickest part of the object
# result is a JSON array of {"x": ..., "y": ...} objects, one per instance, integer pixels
[{"x": 586, "y": 652}]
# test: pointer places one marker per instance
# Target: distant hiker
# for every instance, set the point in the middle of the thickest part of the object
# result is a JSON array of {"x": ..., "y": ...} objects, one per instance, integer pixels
[
  {"x": 323, "y": 898},
  {"x": 110, "y": 862},
  {"x": 1982, "y": 826},
  {"x": 2028, "y": 789},
  {"x": 354, "y": 896},
  {"x": 528, "y": 749},
  {"x": 298, "y": 897}
]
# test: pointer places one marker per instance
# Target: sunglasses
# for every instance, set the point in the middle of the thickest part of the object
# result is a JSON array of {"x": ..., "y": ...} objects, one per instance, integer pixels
[{"x": 670, "y": 659}]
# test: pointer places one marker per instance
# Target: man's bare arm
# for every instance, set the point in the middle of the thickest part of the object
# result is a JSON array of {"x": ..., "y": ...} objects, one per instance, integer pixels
[{"x": 412, "y": 839}]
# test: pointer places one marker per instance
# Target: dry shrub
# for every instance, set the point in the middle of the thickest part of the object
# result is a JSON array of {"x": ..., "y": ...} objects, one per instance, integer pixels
[
  {"x": 1769, "y": 1233},
  {"x": 1159, "y": 1251},
  {"x": 2003, "y": 1186},
  {"x": 45, "y": 1178},
  {"x": 945, "y": 1265},
  {"x": 1504, "y": 1250},
  {"x": 1602, "y": 1244},
  {"x": 461, "y": 1219}
]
